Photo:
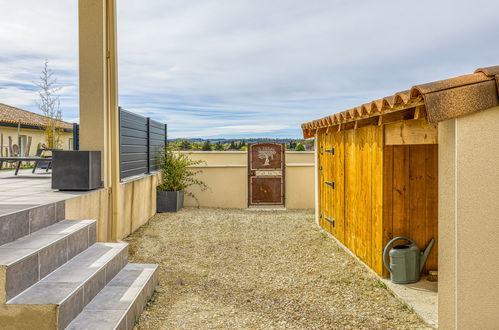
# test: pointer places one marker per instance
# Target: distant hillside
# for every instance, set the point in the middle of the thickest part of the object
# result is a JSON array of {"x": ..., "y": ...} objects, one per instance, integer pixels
[{"x": 223, "y": 144}]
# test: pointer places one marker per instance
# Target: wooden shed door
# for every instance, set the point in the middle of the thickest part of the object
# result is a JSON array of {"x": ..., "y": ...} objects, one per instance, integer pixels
[{"x": 266, "y": 174}]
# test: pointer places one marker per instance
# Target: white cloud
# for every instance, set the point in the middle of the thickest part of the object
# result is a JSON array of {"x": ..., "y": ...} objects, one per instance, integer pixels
[{"x": 225, "y": 67}]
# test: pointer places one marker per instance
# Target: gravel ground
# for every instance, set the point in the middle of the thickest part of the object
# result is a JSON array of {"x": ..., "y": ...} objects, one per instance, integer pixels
[{"x": 258, "y": 269}]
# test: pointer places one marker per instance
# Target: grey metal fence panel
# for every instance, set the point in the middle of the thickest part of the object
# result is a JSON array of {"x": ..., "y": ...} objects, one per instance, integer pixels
[
  {"x": 141, "y": 141},
  {"x": 133, "y": 144},
  {"x": 157, "y": 136}
]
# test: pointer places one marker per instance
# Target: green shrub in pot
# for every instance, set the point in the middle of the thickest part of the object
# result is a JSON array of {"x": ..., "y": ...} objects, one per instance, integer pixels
[{"x": 177, "y": 175}]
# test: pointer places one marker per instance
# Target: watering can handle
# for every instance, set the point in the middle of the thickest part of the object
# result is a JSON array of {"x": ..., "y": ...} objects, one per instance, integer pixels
[{"x": 387, "y": 248}]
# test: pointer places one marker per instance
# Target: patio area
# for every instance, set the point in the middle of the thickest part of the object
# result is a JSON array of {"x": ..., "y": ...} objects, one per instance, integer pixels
[
  {"x": 222, "y": 268},
  {"x": 27, "y": 190}
]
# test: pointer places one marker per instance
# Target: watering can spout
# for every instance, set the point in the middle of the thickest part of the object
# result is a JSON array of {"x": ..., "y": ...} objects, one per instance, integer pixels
[{"x": 424, "y": 255}]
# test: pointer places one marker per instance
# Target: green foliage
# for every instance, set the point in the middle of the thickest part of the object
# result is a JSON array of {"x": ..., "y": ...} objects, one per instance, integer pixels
[
  {"x": 219, "y": 146},
  {"x": 243, "y": 148},
  {"x": 207, "y": 146},
  {"x": 184, "y": 144},
  {"x": 232, "y": 145},
  {"x": 300, "y": 147},
  {"x": 176, "y": 174},
  {"x": 197, "y": 146}
]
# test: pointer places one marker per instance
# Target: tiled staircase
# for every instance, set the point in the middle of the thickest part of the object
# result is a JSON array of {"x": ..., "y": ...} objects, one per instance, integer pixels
[{"x": 53, "y": 275}]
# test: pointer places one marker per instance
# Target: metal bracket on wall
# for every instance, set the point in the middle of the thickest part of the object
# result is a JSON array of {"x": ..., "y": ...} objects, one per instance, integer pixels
[
  {"x": 329, "y": 183},
  {"x": 331, "y": 151},
  {"x": 331, "y": 221}
]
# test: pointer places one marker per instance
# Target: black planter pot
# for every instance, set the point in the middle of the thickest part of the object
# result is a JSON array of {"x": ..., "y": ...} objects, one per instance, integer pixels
[
  {"x": 169, "y": 201},
  {"x": 76, "y": 170}
]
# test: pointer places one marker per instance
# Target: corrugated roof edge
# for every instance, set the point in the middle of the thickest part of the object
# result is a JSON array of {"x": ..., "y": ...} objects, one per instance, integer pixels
[{"x": 443, "y": 99}]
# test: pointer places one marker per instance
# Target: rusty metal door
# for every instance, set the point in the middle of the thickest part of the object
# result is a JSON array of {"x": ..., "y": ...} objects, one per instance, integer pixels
[{"x": 266, "y": 173}]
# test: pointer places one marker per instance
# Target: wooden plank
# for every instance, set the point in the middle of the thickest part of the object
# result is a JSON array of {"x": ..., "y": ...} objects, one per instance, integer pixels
[
  {"x": 359, "y": 214},
  {"x": 330, "y": 168},
  {"x": 339, "y": 174},
  {"x": 387, "y": 198},
  {"x": 417, "y": 195},
  {"x": 357, "y": 207},
  {"x": 377, "y": 201},
  {"x": 400, "y": 199},
  {"x": 432, "y": 205},
  {"x": 327, "y": 178},
  {"x": 350, "y": 200},
  {"x": 365, "y": 227},
  {"x": 322, "y": 179},
  {"x": 411, "y": 132}
]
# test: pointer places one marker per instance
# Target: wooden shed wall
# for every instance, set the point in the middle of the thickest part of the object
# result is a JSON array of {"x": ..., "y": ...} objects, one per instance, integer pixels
[
  {"x": 379, "y": 192},
  {"x": 355, "y": 203},
  {"x": 410, "y": 196}
]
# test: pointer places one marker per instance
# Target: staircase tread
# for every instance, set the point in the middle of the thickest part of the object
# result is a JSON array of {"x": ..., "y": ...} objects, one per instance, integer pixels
[
  {"x": 111, "y": 304},
  {"x": 121, "y": 291},
  {"x": 23, "y": 247},
  {"x": 59, "y": 285}
]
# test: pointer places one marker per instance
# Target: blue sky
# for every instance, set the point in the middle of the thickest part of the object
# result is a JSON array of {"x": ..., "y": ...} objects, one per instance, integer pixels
[{"x": 242, "y": 68}]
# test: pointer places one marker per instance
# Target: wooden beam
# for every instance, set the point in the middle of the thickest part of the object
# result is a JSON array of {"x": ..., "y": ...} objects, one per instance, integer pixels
[
  {"x": 370, "y": 121},
  {"x": 407, "y": 114},
  {"x": 411, "y": 132},
  {"x": 322, "y": 130},
  {"x": 417, "y": 113},
  {"x": 347, "y": 126}
]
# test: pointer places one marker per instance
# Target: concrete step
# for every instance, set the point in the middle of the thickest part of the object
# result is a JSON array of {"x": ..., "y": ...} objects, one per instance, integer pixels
[
  {"x": 28, "y": 259},
  {"x": 19, "y": 223},
  {"x": 120, "y": 303},
  {"x": 72, "y": 286}
]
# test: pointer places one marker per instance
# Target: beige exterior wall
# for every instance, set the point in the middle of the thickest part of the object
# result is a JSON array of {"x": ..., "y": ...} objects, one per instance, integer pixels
[
  {"x": 138, "y": 205},
  {"x": 226, "y": 174},
  {"x": 99, "y": 115},
  {"x": 469, "y": 221},
  {"x": 37, "y": 136}
]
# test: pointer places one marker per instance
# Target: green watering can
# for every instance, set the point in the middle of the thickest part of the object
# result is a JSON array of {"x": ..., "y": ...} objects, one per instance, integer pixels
[{"x": 406, "y": 261}]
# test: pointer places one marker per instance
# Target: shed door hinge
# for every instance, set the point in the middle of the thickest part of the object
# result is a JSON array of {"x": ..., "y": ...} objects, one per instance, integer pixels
[
  {"x": 331, "y": 221},
  {"x": 331, "y": 151},
  {"x": 329, "y": 183}
]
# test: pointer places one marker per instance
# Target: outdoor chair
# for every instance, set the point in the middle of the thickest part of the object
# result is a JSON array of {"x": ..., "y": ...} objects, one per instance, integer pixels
[{"x": 45, "y": 164}]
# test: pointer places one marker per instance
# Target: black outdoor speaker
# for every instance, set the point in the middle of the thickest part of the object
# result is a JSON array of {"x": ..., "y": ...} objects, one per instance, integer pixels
[{"x": 76, "y": 170}]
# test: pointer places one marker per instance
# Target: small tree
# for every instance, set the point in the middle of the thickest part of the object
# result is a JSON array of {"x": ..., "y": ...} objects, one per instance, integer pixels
[
  {"x": 232, "y": 145},
  {"x": 219, "y": 146},
  {"x": 197, "y": 146},
  {"x": 207, "y": 146},
  {"x": 185, "y": 144},
  {"x": 50, "y": 105},
  {"x": 300, "y": 147},
  {"x": 177, "y": 174}
]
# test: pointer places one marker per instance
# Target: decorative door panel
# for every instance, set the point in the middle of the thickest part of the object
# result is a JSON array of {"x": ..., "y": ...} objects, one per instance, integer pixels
[{"x": 266, "y": 166}]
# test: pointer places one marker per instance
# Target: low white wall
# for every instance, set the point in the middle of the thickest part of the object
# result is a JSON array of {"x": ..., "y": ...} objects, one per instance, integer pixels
[{"x": 226, "y": 174}]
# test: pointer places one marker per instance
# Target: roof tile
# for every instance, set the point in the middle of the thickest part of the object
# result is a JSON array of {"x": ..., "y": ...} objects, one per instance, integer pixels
[
  {"x": 444, "y": 99},
  {"x": 10, "y": 114}
]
